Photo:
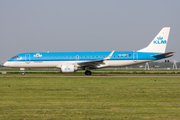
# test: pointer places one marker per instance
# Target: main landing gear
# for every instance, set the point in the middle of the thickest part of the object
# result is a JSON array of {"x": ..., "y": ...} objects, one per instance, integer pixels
[{"x": 87, "y": 72}]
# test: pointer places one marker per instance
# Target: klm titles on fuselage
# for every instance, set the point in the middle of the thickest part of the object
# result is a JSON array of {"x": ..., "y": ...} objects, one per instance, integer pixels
[{"x": 159, "y": 41}]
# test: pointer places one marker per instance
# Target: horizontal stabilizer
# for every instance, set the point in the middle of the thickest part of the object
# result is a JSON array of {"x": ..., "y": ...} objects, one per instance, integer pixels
[{"x": 169, "y": 54}]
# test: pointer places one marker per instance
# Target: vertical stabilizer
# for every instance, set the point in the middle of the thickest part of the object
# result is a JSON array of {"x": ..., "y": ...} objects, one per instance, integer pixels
[{"x": 159, "y": 43}]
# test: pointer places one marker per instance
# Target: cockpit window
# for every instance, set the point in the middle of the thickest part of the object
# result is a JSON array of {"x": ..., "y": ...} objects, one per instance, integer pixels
[{"x": 15, "y": 57}]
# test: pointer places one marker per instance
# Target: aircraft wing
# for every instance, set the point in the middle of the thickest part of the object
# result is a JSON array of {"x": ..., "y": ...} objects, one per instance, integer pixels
[
  {"x": 95, "y": 62},
  {"x": 169, "y": 54}
]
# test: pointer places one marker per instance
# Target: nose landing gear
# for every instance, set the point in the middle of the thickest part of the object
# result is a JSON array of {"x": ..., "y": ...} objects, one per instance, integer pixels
[
  {"x": 23, "y": 73},
  {"x": 22, "y": 69},
  {"x": 87, "y": 72}
]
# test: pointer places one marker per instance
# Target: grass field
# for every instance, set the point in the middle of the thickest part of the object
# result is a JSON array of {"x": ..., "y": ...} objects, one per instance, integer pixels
[{"x": 89, "y": 98}]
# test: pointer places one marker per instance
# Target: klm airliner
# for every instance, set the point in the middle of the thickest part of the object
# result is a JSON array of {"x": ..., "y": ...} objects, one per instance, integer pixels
[{"x": 69, "y": 62}]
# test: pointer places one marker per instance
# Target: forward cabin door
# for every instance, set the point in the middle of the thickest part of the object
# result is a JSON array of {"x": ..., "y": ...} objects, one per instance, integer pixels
[
  {"x": 135, "y": 56},
  {"x": 77, "y": 57},
  {"x": 27, "y": 58}
]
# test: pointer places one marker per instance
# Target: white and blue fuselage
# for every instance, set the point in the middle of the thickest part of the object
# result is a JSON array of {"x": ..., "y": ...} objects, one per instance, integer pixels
[
  {"x": 73, "y": 61},
  {"x": 53, "y": 59}
]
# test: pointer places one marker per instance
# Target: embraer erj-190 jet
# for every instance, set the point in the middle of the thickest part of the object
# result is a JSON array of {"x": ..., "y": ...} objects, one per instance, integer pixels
[{"x": 69, "y": 62}]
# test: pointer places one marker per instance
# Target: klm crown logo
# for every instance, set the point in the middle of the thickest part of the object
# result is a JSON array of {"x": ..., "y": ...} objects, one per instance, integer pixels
[
  {"x": 67, "y": 68},
  {"x": 159, "y": 41},
  {"x": 37, "y": 55}
]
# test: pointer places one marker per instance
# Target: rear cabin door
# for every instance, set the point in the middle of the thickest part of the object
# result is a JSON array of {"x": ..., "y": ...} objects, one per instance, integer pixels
[{"x": 135, "y": 56}]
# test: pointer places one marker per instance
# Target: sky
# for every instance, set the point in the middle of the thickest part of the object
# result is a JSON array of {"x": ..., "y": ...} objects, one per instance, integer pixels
[{"x": 85, "y": 25}]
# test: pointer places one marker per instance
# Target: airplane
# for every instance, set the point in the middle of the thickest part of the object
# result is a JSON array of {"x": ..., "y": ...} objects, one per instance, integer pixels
[{"x": 69, "y": 62}]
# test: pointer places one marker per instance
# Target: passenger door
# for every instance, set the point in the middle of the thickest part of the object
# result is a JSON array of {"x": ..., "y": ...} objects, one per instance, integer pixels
[
  {"x": 27, "y": 58},
  {"x": 135, "y": 56}
]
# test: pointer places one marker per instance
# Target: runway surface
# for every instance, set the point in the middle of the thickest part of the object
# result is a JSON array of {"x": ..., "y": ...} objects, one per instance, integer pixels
[{"x": 90, "y": 76}]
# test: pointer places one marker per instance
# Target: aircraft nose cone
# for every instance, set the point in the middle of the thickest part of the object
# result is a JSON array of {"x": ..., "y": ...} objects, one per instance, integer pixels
[{"x": 6, "y": 64}]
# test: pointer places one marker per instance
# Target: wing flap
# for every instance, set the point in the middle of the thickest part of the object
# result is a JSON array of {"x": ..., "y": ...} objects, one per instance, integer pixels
[{"x": 95, "y": 62}]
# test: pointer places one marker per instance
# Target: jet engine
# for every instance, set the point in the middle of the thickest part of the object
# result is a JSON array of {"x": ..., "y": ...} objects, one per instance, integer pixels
[{"x": 68, "y": 68}]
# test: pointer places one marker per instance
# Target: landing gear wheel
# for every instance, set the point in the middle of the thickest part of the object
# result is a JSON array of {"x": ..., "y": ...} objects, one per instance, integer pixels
[
  {"x": 23, "y": 73},
  {"x": 87, "y": 72}
]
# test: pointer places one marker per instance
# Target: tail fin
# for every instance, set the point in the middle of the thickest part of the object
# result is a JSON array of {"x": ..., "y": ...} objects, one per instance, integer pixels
[{"x": 159, "y": 43}]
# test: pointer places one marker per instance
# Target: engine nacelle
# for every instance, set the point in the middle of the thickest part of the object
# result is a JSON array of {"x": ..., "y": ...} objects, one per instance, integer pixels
[{"x": 68, "y": 68}]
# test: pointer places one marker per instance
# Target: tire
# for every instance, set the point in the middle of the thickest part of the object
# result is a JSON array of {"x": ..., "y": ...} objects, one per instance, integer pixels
[{"x": 87, "y": 72}]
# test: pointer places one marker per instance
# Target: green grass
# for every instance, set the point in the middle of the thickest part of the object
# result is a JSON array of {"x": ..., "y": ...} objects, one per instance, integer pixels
[
  {"x": 89, "y": 98},
  {"x": 94, "y": 73}
]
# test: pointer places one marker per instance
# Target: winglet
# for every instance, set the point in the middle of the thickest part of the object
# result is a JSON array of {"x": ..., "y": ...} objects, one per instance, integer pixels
[{"x": 110, "y": 55}]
